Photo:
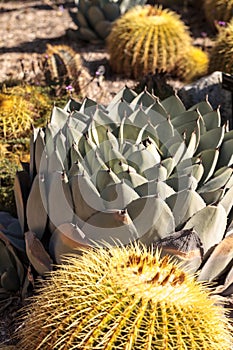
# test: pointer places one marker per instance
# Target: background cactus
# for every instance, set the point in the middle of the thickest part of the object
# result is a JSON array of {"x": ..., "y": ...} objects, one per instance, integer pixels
[
  {"x": 221, "y": 53},
  {"x": 149, "y": 38},
  {"x": 62, "y": 67},
  {"x": 122, "y": 299},
  {"x": 218, "y": 10},
  {"x": 94, "y": 18}
]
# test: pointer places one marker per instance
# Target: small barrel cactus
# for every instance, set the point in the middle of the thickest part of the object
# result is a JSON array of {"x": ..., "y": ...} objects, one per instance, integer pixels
[
  {"x": 148, "y": 38},
  {"x": 221, "y": 53},
  {"x": 218, "y": 10},
  {"x": 123, "y": 298}
]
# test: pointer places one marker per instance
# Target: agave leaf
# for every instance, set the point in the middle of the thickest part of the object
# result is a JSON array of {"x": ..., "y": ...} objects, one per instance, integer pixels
[
  {"x": 105, "y": 177},
  {"x": 155, "y": 187},
  {"x": 118, "y": 196},
  {"x": 37, "y": 254},
  {"x": 227, "y": 288},
  {"x": 173, "y": 106},
  {"x": 227, "y": 201},
  {"x": 210, "y": 224},
  {"x": 60, "y": 146},
  {"x": 128, "y": 131},
  {"x": 195, "y": 170},
  {"x": 181, "y": 182},
  {"x": 55, "y": 162},
  {"x": 39, "y": 149},
  {"x": 60, "y": 203},
  {"x": 218, "y": 261},
  {"x": 226, "y": 154},
  {"x": 142, "y": 160},
  {"x": 213, "y": 197},
  {"x": 125, "y": 94},
  {"x": 110, "y": 226},
  {"x": 203, "y": 107},
  {"x": 132, "y": 178},
  {"x": 164, "y": 131},
  {"x": 169, "y": 164},
  {"x": 86, "y": 198},
  {"x": 192, "y": 145},
  {"x": 209, "y": 159},
  {"x": 36, "y": 208},
  {"x": 144, "y": 99},
  {"x": 120, "y": 110},
  {"x": 185, "y": 246},
  {"x": 59, "y": 117},
  {"x": 67, "y": 239},
  {"x": 184, "y": 118},
  {"x": 158, "y": 172},
  {"x": 152, "y": 218},
  {"x": 188, "y": 128},
  {"x": 21, "y": 191},
  {"x": 184, "y": 205},
  {"x": 212, "y": 119},
  {"x": 211, "y": 139},
  {"x": 156, "y": 114},
  {"x": 217, "y": 181},
  {"x": 138, "y": 118},
  {"x": 176, "y": 151},
  {"x": 89, "y": 107}
]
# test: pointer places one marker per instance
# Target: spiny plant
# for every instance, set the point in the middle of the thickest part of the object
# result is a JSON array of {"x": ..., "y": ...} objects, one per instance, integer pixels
[
  {"x": 21, "y": 107},
  {"x": 94, "y": 18},
  {"x": 137, "y": 169},
  {"x": 221, "y": 53},
  {"x": 218, "y": 10},
  {"x": 123, "y": 298},
  {"x": 62, "y": 67},
  {"x": 147, "y": 38}
]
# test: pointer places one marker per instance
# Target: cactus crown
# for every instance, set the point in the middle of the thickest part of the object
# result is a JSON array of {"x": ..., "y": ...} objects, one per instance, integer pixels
[{"x": 123, "y": 298}]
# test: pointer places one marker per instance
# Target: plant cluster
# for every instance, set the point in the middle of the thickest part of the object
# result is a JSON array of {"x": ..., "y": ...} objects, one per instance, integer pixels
[{"x": 138, "y": 169}]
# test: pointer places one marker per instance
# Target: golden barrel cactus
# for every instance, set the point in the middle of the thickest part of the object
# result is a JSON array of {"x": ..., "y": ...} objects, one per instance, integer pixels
[
  {"x": 122, "y": 298},
  {"x": 145, "y": 39}
]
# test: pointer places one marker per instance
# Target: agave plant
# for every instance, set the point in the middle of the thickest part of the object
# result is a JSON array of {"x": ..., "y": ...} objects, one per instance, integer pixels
[
  {"x": 138, "y": 169},
  {"x": 94, "y": 18}
]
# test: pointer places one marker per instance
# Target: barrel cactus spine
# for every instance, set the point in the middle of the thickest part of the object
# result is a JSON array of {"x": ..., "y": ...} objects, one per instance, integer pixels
[{"x": 123, "y": 298}]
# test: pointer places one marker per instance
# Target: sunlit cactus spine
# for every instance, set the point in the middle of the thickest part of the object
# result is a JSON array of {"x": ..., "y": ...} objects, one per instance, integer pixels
[
  {"x": 147, "y": 38},
  {"x": 122, "y": 298},
  {"x": 221, "y": 53},
  {"x": 218, "y": 11}
]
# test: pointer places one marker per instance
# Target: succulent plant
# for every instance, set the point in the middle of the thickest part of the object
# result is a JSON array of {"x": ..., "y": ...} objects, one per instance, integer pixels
[
  {"x": 62, "y": 67},
  {"x": 149, "y": 38},
  {"x": 123, "y": 298},
  {"x": 218, "y": 10},
  {"x": 20, "y": 107},
  {"x": 94, "y": 18},
  {"x": 221, "y": 53},
  {"x": 138, "y": 169}
]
